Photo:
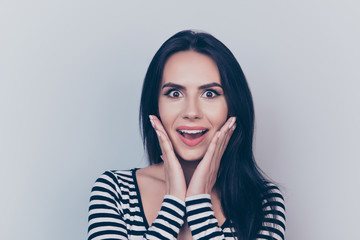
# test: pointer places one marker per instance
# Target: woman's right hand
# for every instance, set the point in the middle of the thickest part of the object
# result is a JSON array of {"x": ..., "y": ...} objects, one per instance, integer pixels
[{"x": 174, "y": 176}]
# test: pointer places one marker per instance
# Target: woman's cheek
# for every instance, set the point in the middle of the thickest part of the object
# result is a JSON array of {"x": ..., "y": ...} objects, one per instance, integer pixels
[
  {"x": 217, "y": 114},
  {"x": 168, "y": 113}
]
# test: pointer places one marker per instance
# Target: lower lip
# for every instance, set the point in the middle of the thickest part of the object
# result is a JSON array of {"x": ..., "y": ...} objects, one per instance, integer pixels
[{"x": 192, "y": 142}]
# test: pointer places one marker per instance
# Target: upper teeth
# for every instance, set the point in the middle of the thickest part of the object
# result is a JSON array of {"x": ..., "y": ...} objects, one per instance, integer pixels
[{"x": 191, "y": 131}]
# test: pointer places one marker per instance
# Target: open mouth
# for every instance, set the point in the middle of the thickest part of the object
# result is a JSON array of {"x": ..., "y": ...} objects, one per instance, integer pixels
[
  {"x": 192, "y": 134},
  {"x": 192, "y": 137}
]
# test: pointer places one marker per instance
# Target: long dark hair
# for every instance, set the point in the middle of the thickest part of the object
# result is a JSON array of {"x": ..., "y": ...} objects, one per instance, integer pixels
[{"x": 240, "y": 182}]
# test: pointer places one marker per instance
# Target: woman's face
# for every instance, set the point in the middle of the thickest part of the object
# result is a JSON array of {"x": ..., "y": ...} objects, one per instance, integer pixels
[{"x": 192, "y": 104}]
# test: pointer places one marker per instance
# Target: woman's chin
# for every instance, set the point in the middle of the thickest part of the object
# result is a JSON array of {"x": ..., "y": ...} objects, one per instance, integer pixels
[{"x": 190, "y": 157}]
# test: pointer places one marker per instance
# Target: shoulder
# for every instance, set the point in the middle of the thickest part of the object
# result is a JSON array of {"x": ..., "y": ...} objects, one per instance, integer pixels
[
  {"x": 273, "y": 196},
  {"x": 112, "y": 189},
  {"x": 274, "y": 212},
  {"x": 112, "y": 181},
  {"x": 115, "y": 176}
]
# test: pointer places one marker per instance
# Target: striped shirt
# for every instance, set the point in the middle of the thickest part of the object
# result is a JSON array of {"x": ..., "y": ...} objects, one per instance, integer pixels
[{"x": 116, "y": 212}]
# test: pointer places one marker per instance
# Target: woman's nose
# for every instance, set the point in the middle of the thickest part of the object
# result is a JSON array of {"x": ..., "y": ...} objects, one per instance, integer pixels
[{"x": 192, "y": 109}]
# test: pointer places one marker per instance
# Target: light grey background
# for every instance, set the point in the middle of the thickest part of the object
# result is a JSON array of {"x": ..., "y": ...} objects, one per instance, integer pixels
[{"x": 70, "y": 80}]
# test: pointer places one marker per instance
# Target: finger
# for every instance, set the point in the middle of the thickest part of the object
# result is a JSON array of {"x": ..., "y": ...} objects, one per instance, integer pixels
[
  {"x": 158, "y": 133},
  {"x": 157, "y": 125},
  {"x": 212, "y": 147},
  {"x": 230, "y": 133},
  {"x": 164, "y": 141},
  {"x": 161, "y": 144},
  {"x": 225, "y": 141},
  {"x": 224, "y": 138},
  {"x": 168, "y": 154},
  {"x": 228, "y": 128},
  {"x": 217, "y": 139},
  {"x": 167, "y": 147},
  {"x": 225, "y": 130},
  {"x": 228, "y": 125}
]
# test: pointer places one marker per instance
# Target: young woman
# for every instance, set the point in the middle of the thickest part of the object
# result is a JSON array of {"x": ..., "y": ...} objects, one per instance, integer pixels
[{"x": 197, "y": 121}]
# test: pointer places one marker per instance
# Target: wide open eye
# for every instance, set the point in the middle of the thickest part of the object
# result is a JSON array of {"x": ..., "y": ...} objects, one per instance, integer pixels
[
  {"x": 173, "y": 93},
  {"x": 210, "y": 93}
]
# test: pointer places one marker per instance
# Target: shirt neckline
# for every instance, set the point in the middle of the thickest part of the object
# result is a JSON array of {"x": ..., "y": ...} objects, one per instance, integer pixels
[{"x": 142, "y": 212}]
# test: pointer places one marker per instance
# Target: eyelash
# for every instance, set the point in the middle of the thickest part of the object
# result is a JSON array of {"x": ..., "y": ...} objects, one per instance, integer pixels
[
  {"x": 207, "y": 90},
  {"x": 171, "y": 91},
  {"x": 213, "y": 91}
]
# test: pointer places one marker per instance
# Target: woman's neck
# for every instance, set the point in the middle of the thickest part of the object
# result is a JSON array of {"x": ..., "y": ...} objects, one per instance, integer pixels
[{"x": 188, "y": 168}]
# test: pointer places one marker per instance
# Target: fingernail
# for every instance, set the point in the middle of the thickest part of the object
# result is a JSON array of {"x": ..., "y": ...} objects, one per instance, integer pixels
[
  {"x": 152, "y": 123},
  {"x": 232, "y": 122},
  {"x": 218, "y": 135},
  {"x": 158, "y": 133},
  {"x": 151, "y": 117},
  {"x": 233, "y": 128}
]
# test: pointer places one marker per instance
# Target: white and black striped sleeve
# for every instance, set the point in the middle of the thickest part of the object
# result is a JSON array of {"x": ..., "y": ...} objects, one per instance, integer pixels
[
  {"x": 204, "y": 225},
  {"x": 106, "y": 215},
  {"x": 201, "y": 219},
  {"x": 273, "y": 226},
  {"x": 169, "y": 220}
]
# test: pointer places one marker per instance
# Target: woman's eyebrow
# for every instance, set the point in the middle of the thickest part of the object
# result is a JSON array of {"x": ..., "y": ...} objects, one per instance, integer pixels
[
  {"x": 210, "y": 85},
  {"x": 173, "y": 85}
]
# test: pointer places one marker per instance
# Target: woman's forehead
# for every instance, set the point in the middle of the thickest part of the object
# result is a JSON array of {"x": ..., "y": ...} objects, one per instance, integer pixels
[{"x": 190, "y": 68}]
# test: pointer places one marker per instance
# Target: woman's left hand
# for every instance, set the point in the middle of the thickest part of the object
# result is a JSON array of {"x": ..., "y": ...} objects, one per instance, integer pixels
[{"x": 205, "y": 175}]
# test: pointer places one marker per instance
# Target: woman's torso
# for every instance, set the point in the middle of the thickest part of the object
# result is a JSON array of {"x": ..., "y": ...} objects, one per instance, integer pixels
[
  {"x": 116, "y": 208},
  {"x": 152, "y": 190}
]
